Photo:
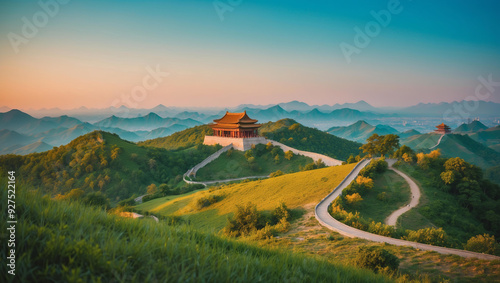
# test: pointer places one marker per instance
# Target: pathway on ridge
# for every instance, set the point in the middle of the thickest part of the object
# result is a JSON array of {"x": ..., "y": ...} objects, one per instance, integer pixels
[{"x": 415, "y": 196}]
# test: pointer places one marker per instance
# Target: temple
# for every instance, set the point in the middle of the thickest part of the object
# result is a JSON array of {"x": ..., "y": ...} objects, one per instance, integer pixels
[
  {"x": 236, "y": 129},
  {"x": 235, "y": 125},
  {"x": 442, "y": 129}
]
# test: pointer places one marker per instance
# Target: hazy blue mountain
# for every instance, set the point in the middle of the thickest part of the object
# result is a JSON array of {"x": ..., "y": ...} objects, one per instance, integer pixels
[
  {"x": 163, "y": 132},
  {"x": 23, "y": 123},
  {"x": 482, "y": 108},
  {"x": 296, "y": 105},
  {"x": 10, "y": 138},
  {"x": 38, "y": 146},
  {"x": 473, "y": 127},
  {"x": 146, "y": 123},
  {"x": 360, "y": 131}
]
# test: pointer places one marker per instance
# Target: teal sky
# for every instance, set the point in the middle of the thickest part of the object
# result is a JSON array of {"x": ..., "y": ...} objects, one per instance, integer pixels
[{"x": 94, "y": 53}]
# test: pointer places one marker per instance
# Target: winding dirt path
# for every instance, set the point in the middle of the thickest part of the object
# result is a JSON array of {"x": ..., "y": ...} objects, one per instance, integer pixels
[
  {"x": 325, "y": 219},
  {"x": 415, "y": 198}
]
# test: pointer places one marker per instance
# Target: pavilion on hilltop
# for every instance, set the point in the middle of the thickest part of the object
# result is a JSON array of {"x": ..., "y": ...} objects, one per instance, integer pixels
[
  {"x": 442, "y": 129},
  {"x": 235, "y": 125},
  {"x": 237, "y": 130}
]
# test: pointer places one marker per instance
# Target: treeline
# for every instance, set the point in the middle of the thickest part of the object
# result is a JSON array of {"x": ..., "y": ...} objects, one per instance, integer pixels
[
  {"x": 102, "y": 162},
  {"x": 181, "y": 140},
  {"x": 314, "y": 140}
]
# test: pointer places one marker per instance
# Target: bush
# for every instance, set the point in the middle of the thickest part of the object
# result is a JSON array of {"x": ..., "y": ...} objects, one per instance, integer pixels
[
  {"x": 96, "y": 199},
  {"x": 377, "y": 259},
  {"x": 207, "y": 201},
  {"x": 483, "y": 244},
  {"x": 280, "y": 212},
  {"x": 375, "y": 168},
  {"x": 244, "y": 222},
  {"x": 127, "y": 202},
  {"x": 276, "y": 174},
  {"x": 431, "y": 236}
]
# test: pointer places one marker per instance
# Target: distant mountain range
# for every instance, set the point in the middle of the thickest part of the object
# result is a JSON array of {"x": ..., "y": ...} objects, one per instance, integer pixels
[
  {"x": 160, "y": 121},
  {"x": 21, "y": 133}
]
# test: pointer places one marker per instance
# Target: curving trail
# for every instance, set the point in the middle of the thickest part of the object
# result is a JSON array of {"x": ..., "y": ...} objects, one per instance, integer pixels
[
  {"x": 439, "y": 141},
  {"x": 325, "y": 219},
  {"x": 415, "y": 197}
]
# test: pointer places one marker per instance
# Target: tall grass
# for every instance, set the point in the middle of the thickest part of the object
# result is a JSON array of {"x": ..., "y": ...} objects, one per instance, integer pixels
[{"x": 59, "y": 241}]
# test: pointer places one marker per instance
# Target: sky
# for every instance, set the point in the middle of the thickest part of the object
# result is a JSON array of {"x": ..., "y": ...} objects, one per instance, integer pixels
[{"x": 97, "y": 54}]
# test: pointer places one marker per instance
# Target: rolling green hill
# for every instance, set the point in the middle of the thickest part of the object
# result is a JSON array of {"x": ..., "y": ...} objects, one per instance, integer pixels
[
  {"x": 309, "y": 139},
  {"x": 473, "y": 127},
  {"x": 489, "y": 137},
  {"x": 59, "y": 241},
  {"x": 360, "y": 131},
  {"x": 100, "y": 161},
  {"x": 456, "y": 145}
]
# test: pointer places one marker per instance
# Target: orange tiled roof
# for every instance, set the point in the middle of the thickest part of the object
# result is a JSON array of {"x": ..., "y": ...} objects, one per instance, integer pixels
[{"x": 235, "y": 118}]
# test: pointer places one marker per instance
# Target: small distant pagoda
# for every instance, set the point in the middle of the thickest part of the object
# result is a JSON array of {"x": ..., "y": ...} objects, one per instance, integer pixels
[
  {"x": 235, "y": 125},
  {"x": 236, "y": 129},
  {"x": 442, "y": 129}
]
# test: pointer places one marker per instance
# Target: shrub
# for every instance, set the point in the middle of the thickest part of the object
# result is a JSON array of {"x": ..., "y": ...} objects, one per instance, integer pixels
[
  {"x": 280, "y": 212},
  {"x": 207, "y": 201},
  {"x": 483, "y": 244},
  {"x": 245, "y": 220},
  {"x": 96, "y": 199},
  {"x": 377, "y": 259},
  {"x": 127, "y": 202},
  {"x": 381, "y": 229},
  {"x": 431, "y": 236},
  {"x": 353, "y": 199},
  {"x": 276, "y": 174}
]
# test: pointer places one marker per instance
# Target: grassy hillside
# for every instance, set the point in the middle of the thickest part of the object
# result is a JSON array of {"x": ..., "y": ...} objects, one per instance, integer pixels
[
  {"x": 103, "y": 162},
  {"x": 234, "y": 164},
  {"x": 396, "y": 193},
  {"x": 295, "y": 190},
  {"x": 182, "y": 139},
  {"x": 423, "y": 141},
  {"x": 58, "y": 241},
  {"x": 309, "y": 139}
]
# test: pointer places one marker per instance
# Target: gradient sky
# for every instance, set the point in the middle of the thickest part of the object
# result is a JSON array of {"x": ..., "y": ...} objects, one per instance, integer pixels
[{"x": 93, "y": 53}]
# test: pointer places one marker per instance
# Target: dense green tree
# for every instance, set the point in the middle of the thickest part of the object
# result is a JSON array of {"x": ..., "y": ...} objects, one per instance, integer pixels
[{"x": 382, "y": 145}]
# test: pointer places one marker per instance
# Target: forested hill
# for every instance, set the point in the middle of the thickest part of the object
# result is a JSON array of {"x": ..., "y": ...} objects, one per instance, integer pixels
[
  {"x": 102, "y": 162},
  {"x": 182, "y": 139},
  {"x": 293, "y": 134}
]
